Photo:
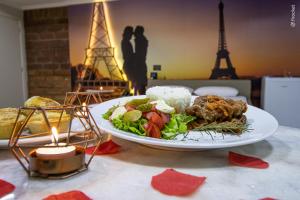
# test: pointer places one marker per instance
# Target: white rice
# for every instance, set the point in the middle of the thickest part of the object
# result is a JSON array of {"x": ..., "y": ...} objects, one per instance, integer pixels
[{"x": 177, "y": 97}]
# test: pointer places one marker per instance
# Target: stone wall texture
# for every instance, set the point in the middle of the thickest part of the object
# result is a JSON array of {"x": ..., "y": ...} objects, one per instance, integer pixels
[{"x": 47, "y": 51}]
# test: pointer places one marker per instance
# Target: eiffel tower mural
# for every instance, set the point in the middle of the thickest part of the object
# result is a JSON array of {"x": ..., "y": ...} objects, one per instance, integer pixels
[
  {"x": 223, "y": 53},
  {"x": 101, "y": 67}
]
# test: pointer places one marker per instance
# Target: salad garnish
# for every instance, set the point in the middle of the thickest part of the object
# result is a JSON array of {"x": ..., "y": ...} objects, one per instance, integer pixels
[{"x": 153, "y": 119}]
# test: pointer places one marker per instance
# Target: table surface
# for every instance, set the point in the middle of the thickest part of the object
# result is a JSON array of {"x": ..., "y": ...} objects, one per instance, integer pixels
[{"x": 127, "y": 175}]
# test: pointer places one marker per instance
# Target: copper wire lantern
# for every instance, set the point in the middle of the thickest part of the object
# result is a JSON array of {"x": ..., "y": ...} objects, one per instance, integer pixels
[
  {"x": 77, "y": 130},
  {"x": 78, "y": 98}
]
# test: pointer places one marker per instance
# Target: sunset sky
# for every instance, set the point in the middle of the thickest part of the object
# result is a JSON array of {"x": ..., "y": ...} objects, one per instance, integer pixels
[{"x": 183, "y": 34}]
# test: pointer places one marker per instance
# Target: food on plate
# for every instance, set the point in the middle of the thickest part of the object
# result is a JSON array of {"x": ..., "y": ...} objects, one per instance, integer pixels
[
  {"x": 215, "y": 108},
  {"x": 218, "y": 114},
  {"x": 118, "y": 111},
  {"x": 148, "y": 118},
  {"x": 163, "y": 107},
  {"x": 156, "y": 117},
  {"x": 37, "y": 123},
  {"x": 8, "y": 118},
  {"x": 37, "y": 101},
  {"x": 177, "y": 97}
]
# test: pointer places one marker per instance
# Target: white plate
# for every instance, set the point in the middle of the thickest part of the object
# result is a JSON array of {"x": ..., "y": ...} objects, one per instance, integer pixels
[
  {"x": 76, "y": 126},
  {"x": 262, "y": 125}
]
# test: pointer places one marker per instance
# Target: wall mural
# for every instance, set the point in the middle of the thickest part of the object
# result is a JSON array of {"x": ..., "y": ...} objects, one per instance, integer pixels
[{"x": 185, "y": 39}]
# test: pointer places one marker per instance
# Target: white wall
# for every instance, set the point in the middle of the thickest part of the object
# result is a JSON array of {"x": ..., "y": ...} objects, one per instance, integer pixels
[{"x": 13, "y": 75}]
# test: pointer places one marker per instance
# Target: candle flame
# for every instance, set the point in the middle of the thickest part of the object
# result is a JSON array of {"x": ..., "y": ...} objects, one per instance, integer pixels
[
  {"x": 101, "y": 88},
  {"x": 84, "y": 107},
  {"x": 54, "y": 137}
]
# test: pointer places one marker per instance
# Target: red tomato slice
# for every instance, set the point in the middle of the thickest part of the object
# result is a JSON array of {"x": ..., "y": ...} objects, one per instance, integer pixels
[
  {"x": 155, "y": 132},
  {"x": 149, "y": 115},
  {"x": 147, "y": 128},
  {"x": 152, "y": 130},
  {"x": 165, "y": 117},
  {"x": 156, "y": 119}
]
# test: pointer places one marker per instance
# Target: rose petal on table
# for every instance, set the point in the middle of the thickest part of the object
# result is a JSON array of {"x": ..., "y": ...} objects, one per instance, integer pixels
[
  {"x": 267, "y": 198},
  {"x": 171, "y": 182},
  {"x": 5, "y": 188},
  {"x": 108, "y": 147},
  {"x": 71, "y": 195},
  {"x": 246, "y": 161}
]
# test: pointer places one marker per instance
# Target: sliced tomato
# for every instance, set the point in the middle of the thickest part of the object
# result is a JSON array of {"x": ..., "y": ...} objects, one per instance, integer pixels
[
  {"x": 165, "y": 117},
  {"x": 147, "y": 128},
  {"x": 155, "y": 118},
  {"x": 148, "y": 115},
  {"x": 152, "y": 130},
  {"x": 155, "y": 131}
]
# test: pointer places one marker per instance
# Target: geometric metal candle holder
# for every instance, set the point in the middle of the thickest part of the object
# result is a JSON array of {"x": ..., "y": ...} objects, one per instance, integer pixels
[
  {"x": 78, "y": 98},
  {"x": 76, "y": 127}
]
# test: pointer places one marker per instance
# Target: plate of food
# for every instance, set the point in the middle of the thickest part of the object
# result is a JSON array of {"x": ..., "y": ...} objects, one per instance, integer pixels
[
  {"x": 36, "y": 124},
  {"x": 171, "y": 118}
]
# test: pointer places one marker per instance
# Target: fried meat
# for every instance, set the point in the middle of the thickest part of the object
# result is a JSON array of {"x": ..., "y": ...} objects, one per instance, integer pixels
[{"x": 216, "y": 109}]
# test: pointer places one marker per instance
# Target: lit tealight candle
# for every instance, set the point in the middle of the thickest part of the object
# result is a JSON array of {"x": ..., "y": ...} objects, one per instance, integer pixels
[
  {"x": 57, "y": 150},
  {"x": 101, "y": 88}
]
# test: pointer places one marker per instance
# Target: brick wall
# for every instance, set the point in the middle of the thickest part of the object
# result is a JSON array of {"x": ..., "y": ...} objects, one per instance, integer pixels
[{"x": 47, "y": 51}]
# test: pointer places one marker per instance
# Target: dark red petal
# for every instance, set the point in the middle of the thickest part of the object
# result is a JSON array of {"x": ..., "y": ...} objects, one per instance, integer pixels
[
  {"x": 71, "y": 195},
  {"x": 171, "y": 182},
  {"x": 267, "y": 198},
  {"x": 5, "y": 188},
  {"x": 108, "y": 147},
  {"x": 246, "y": 161}
]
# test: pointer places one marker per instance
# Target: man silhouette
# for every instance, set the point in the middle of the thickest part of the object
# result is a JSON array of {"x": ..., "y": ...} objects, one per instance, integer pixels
[
  {"x": 128, "y": 55},
  {"x": 141, "y": 46}
]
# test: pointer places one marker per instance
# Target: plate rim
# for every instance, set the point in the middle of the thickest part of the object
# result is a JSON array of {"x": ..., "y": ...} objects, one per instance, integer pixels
[{"x": 4, "y": 143}]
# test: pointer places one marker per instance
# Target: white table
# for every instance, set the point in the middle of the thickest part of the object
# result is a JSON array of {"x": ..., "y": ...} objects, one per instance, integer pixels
[{"x": 127, "y": 175}]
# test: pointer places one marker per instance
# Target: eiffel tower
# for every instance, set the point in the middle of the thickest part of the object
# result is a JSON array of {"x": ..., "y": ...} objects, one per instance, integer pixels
[
  {"x": 222, "y": 53},
  {"x": 101, "y": 67}
]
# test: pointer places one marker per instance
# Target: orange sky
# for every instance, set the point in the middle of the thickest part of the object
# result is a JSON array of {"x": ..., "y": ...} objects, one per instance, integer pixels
[{"x": 183, "y": 35}]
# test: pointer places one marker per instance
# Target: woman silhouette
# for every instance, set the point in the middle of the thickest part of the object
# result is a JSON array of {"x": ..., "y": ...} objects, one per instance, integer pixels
[
  {"x": 128, "y": 55},
  {"x": 141, "y": 46}
]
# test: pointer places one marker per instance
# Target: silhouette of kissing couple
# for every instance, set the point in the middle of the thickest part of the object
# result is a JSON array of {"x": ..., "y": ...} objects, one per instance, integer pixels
[{"x": 135, "y": 65}]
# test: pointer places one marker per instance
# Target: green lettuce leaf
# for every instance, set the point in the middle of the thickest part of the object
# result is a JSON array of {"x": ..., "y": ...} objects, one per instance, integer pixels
[
  {"x": 109, "y": 112},
  {"x": 134, "y": 127},
  {"x": 177, "y": 125}
]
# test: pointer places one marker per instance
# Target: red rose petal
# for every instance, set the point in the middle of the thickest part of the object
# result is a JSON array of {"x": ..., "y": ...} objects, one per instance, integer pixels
[
  {"x": 6, "y": 188},
  {"x": 246, "y": 161},
  {"x": 267, "y": 198},
  {"x": 108, "y": 147},
  {"x": 71, "y": 195},
  {"x": 171, "y": 182}
]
